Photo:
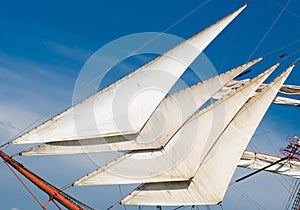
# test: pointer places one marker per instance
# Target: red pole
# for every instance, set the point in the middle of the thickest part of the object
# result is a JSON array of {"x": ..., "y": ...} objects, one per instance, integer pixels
[{"x": 52, "y": 191}]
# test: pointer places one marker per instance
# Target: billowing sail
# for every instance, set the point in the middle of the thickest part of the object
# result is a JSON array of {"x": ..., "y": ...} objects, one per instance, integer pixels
[
  {"x": 140, "y": 92},
  {"x": 209, "y": 184},
  {"x": 256, "y": 161},
  {"x": 180, "y": 158},
  {"x": 171, "y": 113}
]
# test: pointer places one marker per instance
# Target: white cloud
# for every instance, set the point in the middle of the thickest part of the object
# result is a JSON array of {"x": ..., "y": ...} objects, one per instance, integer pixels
[
  {"x": 27, "y": 91},
  {"x": 73, "y": 53}
]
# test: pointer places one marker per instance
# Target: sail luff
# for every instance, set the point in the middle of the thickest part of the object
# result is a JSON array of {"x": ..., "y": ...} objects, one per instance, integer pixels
[
  {"x": 209, "y": 184},
  {"x": 176, "y": 109},
  {"x": 179, "y": 159},
  {"x": 101, "y": 115}
]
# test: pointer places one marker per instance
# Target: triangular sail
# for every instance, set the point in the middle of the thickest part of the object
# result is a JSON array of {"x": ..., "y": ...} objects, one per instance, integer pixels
[
  {"x": 99, "y": 115},
  {"x": 256, "y": 161},
  {"x": 180, "y": 158},
  {"x": 209, "y": 184},
  {"x": 171, "y": 113}
]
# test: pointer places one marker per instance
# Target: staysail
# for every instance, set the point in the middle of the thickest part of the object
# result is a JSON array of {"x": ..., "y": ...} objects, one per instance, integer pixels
[
  {"x": 180, "y": 158},
  {"x": 171, "y": 113},
  {"x": 209, "y": 184},
  {"x": 98, "y": 115}
]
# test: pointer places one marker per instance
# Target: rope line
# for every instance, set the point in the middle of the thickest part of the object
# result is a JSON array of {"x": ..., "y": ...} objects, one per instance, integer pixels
[
  {"x": 269, "y": 30},
  {"x": 26, "y": 187},
  {"x": 8, "y": 143},
  {"x": 289, "y": 11},
  {"x": 248, "y": 198},
  {"x": 121, "y": 194},
  {"x": 230, "y": 42}
]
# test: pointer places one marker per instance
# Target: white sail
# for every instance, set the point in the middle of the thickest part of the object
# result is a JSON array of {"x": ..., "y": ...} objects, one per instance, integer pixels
[
  {"x": 180, "y": 158},
  {"x": 209, "y": 184},
  {"x": 256, "y": 161},
  {"x": 285, "y": 89},
  {"x": 234, "y": 84},
  {"x": 100, "y": 115},
  {"x": 286, "y": 101},
  {"x": 290, "y": 90},
  {"x": 171, "y": 113}
]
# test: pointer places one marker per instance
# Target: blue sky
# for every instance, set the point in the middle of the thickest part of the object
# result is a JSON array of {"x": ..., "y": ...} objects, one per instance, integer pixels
[{"x": 44, "y": 45}]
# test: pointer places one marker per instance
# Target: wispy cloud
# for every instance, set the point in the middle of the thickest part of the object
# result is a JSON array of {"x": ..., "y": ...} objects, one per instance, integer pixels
[
  {"x": 73, "y": 53},
  {"x": 29, "y": 89}
]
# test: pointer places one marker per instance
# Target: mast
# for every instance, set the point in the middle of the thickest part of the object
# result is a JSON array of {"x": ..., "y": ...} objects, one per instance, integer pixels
[
  {"x": 54, "y": 193},
  {"x": 296, "y": 203}
]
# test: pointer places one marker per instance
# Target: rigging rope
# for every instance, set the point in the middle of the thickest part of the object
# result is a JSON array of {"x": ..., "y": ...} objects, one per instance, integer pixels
[
  {"x": 269, "y": 30},
  {"x": 292, "y": 194},
  {"x": 46, "y": 114},
  {"x": 179, "y": 207},
  {"x": 289, "y": 11},
  {"x": 121, "y": 195},
  {"x": 230, "y": 42},
  {"x": 248, "y": 198},
  {"x": 26, "y": 187},
  {"x": 66, "y": 187},
  {"x": 283, "y": 47},
  {"x": 221, "y": 206},
  {"x": 8, "y": 141}
]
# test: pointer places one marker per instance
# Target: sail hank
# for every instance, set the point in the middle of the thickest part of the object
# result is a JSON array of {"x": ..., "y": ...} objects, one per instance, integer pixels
[
  {"x": 181, "y": 157},
  {"x": 256, "y": 161},
  {"x": 171, "y": 113},
  {"x": 140, "y": 93},
  {"x": 212, "y": 178}
]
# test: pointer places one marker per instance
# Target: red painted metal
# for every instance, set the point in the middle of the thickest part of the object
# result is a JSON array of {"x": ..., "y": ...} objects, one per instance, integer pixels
[{"x": 53, "y": 192}]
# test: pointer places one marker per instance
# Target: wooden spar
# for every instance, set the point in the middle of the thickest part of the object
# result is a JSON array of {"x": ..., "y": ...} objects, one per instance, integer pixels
[{"x": 54, "y": 193}]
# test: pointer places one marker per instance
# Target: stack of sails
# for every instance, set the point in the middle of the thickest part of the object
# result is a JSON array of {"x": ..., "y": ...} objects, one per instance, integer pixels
[
  {"x": 94, "y": 119},
  {"x": 178, "y": 159},
  {"x": 290, "y": 90},
  {"x": 209, "y": 183},
  {"x": 176, "y": 108},
  {"x": 186, "y": 163}
]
